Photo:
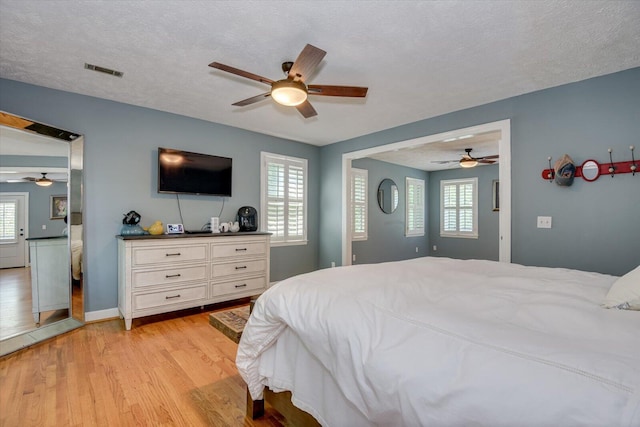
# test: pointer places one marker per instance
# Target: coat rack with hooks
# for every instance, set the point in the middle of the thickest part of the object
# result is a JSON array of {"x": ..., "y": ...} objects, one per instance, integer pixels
[{"x": 590, "y": 170}]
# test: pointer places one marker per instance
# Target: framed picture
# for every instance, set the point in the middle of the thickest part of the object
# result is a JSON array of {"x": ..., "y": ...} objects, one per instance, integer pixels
[
  {"x": 58, "y": 207},
  {"x": 496, "y": 195}
]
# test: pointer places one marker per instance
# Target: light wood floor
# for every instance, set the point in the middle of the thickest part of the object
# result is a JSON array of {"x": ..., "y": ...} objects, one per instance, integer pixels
[
  {"x": 169, "y": 370},
  {"x": 15, "y": 303}
]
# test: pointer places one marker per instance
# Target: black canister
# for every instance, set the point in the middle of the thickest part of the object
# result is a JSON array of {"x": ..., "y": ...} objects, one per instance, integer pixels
[{"x": 248, "y": 218}]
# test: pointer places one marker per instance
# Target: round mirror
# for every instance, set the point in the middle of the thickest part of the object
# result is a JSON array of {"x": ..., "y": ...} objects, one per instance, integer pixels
[
  {"x": 388, "y": 196},
  {"x": 590, "y": 170}
]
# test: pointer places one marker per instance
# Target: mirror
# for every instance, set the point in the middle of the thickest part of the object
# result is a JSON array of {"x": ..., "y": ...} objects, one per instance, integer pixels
[
  {"x": 388, "y": 196},
  {"x": 590, "y": 170},
  {"x": 41, "y": 180}
]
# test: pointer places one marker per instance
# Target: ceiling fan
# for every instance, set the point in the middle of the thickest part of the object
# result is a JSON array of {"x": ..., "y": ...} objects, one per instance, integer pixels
[
  {"x": 43, "y": 181},
  {"x": 468, "y": 161},
  {"x": 293, "y": 91}
]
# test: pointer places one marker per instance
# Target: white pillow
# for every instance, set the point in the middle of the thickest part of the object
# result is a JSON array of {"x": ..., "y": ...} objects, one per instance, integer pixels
[{"x": 625, "y": 292}]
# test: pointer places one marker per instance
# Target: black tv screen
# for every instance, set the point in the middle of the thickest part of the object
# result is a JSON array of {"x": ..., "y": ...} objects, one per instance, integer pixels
[{"x": 192, "y": 173}]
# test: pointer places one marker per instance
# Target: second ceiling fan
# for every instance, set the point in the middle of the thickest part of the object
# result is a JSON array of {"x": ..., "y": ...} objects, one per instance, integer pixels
[
  {"x": 468, "y": 161},
  {"x": 293, "y": 90}
]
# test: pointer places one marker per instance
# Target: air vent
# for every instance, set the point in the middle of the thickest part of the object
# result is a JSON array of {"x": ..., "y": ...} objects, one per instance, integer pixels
[{"x": 103, "y": 70}]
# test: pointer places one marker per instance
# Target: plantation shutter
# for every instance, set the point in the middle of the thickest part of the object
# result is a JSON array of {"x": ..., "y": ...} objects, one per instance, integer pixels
[
  {"x": 459, "y": 210},
  {"x": 8, "y": 221},
  {"x": 284, "y": 198},
  {"x": 414, "y": 224},
  {"x": 359, "y": 188}
]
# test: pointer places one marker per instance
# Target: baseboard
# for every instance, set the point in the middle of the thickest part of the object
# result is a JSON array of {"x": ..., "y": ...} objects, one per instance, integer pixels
[{"x": 95, "y": 316}]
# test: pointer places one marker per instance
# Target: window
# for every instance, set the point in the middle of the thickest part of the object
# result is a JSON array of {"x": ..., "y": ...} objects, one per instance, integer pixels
[
  {"x": 359, "y": 203},
  {"x": 284, "y": 198},
  {"x": 414, "y": 224},
  {"x": 459, "y": 208},
  {"x": 8, "y": 221}
]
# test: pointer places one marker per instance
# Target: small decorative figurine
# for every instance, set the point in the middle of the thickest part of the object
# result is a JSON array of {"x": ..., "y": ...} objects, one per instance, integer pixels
[{"x": 156, "y": 228}]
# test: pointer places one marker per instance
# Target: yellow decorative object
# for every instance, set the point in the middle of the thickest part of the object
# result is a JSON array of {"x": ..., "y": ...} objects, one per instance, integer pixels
[{"x": 156, "y": 228}]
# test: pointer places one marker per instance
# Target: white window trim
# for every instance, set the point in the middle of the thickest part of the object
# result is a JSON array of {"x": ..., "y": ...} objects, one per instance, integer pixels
[
  {"x": 460, "y": 234},
  {"x": 265, "y": 157},
  {"x": 364, "y": 174},
  {"x": 418, "y": 229}
]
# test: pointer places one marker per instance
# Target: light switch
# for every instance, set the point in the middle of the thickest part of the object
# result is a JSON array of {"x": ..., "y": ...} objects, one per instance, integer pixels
[{"x": 544, "y": 222}]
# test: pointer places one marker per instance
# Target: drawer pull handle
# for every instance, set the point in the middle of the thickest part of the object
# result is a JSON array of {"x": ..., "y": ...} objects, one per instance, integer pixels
[
  {"x": 176, "y": 254},
  {"x": 240, "y": 249},
  {"x": 241, "y": 286},
  {"x": 241, "y": 267},
  {"x": 172, "y": 297},
  {"x": 168, "y": 276}
]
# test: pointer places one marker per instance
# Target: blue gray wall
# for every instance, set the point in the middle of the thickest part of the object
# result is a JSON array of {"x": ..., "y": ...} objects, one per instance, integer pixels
[
  {"x": 595, "y": 225},
  {"x": 486, "y": 245},
  {"x": 386, "y": 240},
  {"x": 120, "y": 159}
]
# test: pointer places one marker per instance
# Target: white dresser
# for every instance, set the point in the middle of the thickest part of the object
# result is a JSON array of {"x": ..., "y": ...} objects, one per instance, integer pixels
[
  {"x": 157, "y": 274},
  {"x": 50, "y": 271}
]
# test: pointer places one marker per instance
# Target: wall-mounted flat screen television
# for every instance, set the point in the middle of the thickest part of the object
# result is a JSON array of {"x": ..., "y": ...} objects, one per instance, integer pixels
[{"x": 192, "y": 173}]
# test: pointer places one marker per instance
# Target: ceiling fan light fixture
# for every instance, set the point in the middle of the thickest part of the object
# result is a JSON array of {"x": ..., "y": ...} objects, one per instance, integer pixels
[
  {"x": 43, "y": 182},
  {"x": 288, "y": 92},
  {"x": 468, "y": 163}
]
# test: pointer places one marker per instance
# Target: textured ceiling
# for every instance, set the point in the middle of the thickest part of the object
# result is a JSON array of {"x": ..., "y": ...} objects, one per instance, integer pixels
[{"x": 420, "y": 59}]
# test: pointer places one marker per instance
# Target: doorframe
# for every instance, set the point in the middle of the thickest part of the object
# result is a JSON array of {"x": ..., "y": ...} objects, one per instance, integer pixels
[
  {"x": 504, "y": 174},
  {"x": 25, "y": 219}
]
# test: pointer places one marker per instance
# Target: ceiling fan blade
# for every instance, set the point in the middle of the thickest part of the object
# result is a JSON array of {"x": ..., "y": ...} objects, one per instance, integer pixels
[
  {"x": 306, "y": 62},
  {"x": 495, "y": 156},
  {"x": 306, "y": 109},
  {"x": 327, "y": 90},
  {"x": 489, "y": 162},
  {"x": 443, "y": 162},
  {"x": 252, "y": 100},
  {"x": 240, "y": 73}
]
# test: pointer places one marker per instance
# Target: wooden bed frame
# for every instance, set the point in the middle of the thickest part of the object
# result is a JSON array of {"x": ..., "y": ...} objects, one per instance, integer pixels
[{"x": 281, "y": 402}]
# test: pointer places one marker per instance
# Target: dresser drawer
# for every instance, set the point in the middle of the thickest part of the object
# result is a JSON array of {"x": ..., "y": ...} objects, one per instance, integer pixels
[
  {"x": 258, "y": 284},
  {"x": 167, "y": 254},
  {"x": 169, "y": 297},
  {"x": 232, "y": 250},
  {"x": 236, "y": 268},
  {"x": 167, "y": 276}
]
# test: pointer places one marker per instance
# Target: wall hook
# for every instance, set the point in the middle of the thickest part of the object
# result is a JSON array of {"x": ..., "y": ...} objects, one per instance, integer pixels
[
  {"x": 612, "y": 168},
  {"x": 633, "y": 166},
  {"x": 550, "y": 175}
]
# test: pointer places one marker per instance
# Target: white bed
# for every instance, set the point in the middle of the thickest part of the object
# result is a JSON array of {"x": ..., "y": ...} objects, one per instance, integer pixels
[
  {"x": 76, "y": 251},
  {"x": 443, "y": 342}
]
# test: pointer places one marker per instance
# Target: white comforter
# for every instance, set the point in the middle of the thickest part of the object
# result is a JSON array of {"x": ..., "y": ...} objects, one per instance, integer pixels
[{"x": 442, "y": 342}]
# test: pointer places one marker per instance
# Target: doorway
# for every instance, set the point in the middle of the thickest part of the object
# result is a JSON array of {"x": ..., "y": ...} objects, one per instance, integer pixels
[
  {"x": 504, "y": 150},
  {"x": 14, "y": 214}
]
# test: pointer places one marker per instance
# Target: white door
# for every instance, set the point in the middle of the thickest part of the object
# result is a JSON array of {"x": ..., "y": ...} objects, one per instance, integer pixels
[{"x": 13, "y": 217}]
